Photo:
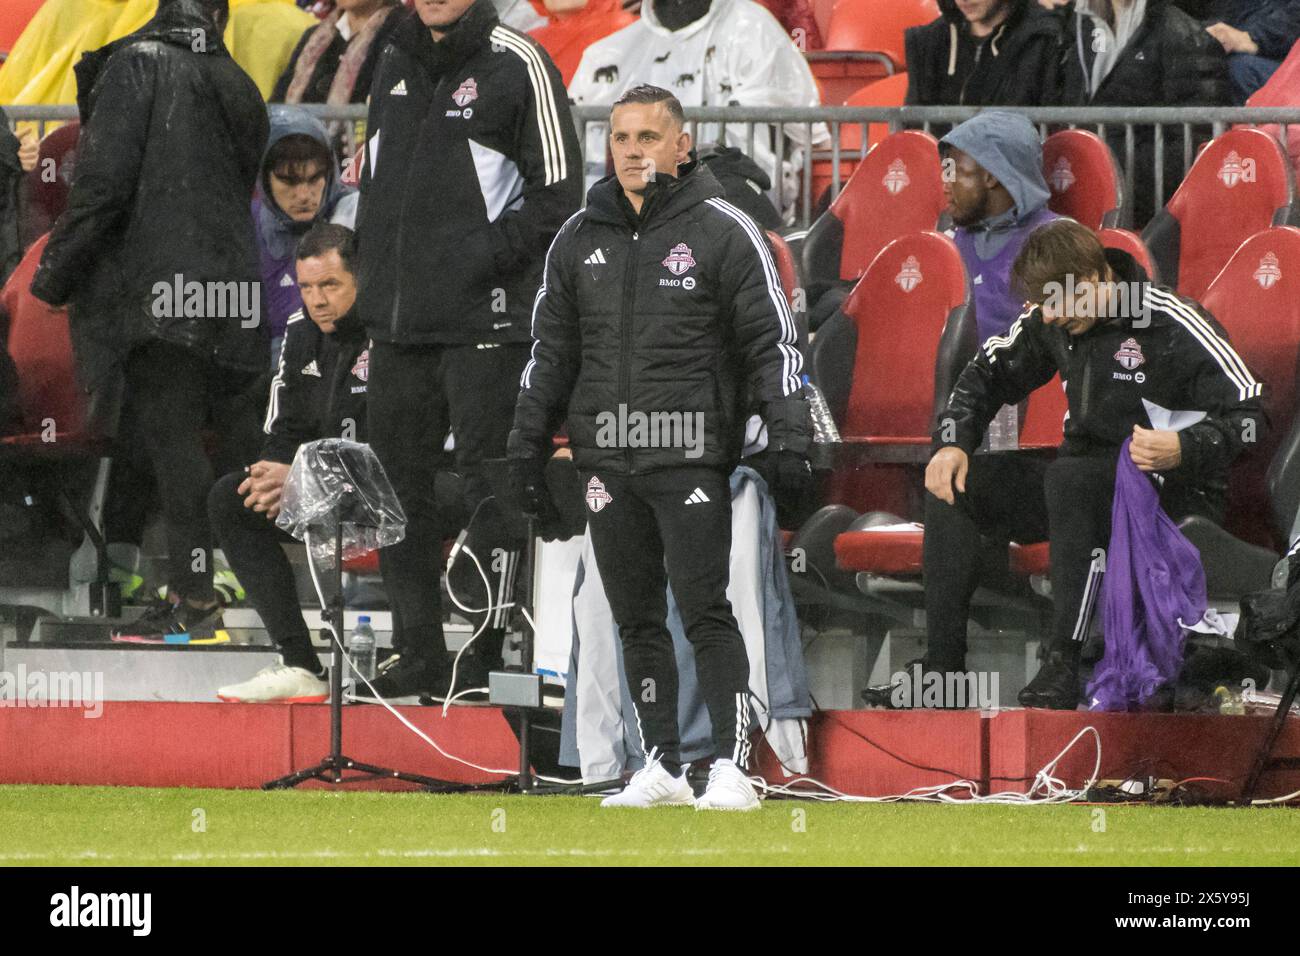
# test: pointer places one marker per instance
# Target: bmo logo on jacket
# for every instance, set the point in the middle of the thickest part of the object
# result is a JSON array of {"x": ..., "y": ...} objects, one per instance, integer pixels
[{"x": 679, "y": 261}]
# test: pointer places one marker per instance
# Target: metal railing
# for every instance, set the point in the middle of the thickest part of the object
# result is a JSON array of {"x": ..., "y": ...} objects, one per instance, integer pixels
[{"x": 823, "y": 126}]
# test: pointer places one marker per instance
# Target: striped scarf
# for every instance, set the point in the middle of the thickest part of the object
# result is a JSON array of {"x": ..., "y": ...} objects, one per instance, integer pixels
[{"x": 345, "y": 77}]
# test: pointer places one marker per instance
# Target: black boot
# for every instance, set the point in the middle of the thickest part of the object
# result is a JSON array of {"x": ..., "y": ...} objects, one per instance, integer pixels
[{"x": 1056, "y": 685}]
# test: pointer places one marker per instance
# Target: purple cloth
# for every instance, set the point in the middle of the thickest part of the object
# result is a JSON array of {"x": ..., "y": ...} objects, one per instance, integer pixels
[{"x": 1153, "y": 579}]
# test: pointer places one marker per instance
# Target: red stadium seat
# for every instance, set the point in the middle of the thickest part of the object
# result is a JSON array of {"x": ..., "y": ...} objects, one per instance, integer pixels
[
  {"x": 1239, "y": 185},
  {"x": 910, "y": 293},
  {"x": 1256, "y": 298},
  {"x": 1130, "y": 242},
  {"x": 14, "y": 19},
  {"x": 864, "y": 42},
  {"x": 891, "y": 91},
  {"x": 877, "y": 25},
  {"x": 1084, "y": 177},
  {"x": 788, "y": 271},
  {"x": 898, "y": 189}
]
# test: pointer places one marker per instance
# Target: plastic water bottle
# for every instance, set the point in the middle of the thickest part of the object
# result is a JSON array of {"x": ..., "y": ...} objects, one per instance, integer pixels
[
  {"x": 361, "y": 648},
  {"x": 825, "y": 431}
]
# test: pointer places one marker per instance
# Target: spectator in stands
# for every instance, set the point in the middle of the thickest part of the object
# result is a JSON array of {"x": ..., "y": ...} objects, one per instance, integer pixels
[
  {"x": 1118, "y": 341},
  {"x": 318, "y": 392},
  {"x": 1142, "y": 53},
  {"x": 172, "y": 135},
  {"x": 708, "y": 53},
  {"x": 1257, "y": 35},
  {"x": 983, "y": 53},
  {"x": 996, "y": 196},
  {"x": 299, "y": 187},
  {"x": 460, "y": 196},
  {"x": 575, "y": 25},
  {"x": 46, "y": 185},
  {"x": 335, "y": 59}
]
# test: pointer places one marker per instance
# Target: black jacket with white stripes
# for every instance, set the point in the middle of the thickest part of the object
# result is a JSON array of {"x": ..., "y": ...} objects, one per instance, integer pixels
[
  {"x": 655, "y": 335},
  {"x": 471, "y": 167},
  {"x": 1165, "y": 349},
  {"x": 319, "y": 389}
]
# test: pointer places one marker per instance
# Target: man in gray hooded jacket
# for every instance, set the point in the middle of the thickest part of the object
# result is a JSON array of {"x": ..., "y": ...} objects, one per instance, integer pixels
[{"x": 993, "y": 181}]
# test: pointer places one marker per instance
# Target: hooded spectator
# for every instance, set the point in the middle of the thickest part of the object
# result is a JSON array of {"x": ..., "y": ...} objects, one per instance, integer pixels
[
  {"x": 298, "y": 187},
  {"x": 1142, "y": 53},
  {"x": 1257, "y": 35},
  {"x": 334, "y": 60},
  {"x": 575, "y": 25},
  {"x": 996, "y": 196},
  {"x": 157, "y": 257},
  {"x": 983, "y": 53}
]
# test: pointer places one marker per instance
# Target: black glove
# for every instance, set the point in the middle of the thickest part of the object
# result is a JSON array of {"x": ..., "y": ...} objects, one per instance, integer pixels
[
  {"x": 791, "y": 476},
  {"x": 528, "y": 478}
]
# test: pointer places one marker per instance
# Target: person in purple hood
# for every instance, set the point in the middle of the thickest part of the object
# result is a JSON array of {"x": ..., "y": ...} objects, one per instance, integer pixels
[
  {"x": 993, "y": 181},
  {"x": 298, "y": 187}
]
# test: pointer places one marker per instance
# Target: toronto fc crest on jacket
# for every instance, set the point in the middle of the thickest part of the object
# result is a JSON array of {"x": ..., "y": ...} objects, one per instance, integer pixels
[
  {"x": 471, "y": 166},
  {"x": 677, "y": 310}
]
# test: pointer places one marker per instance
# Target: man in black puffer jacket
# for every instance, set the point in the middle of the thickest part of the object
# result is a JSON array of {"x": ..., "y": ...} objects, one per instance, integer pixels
[
  {"x": 1140, "y": 54},
  {"x": 157, "y": 260},
  {"x": 660, "y": 311},
  {"x": 996, "y": 53}
]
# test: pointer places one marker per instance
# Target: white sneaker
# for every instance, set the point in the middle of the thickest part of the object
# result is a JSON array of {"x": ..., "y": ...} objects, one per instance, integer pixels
[
  {"x": 278, "y": 684},
  {"x": 728, "y": 789},
  {"x": 653, "y": 786}
]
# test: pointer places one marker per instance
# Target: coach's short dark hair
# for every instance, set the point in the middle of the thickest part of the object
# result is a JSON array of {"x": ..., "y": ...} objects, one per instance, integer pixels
[
  {"x": 1052, "y": 252},
  {"x": 645, "y": 93},
  {"x": 323, "y": 237}
]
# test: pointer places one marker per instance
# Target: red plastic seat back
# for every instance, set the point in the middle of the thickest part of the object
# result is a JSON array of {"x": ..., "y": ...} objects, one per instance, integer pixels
[
  {"x": 1256, "y": 298},
  {"x": 1235, "y": 188},
  {"x": 1044, "y": 423},
  {"x": 889, "y": 91},
  {"x": 41, "y": 347},
  {"x": 877, "y": 25},
  {"x": 1130, "y": 242},
  {"x": 1084, "y": 178},
  {"x": 785, "y": 267},
  {"x": 896, "y": 190},
  {"x": 900, "y": 308}
]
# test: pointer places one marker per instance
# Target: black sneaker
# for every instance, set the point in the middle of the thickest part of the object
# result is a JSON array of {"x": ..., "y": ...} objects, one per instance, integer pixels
[
  {"x": 913, "y": 689},
  {"x": 1055, "y": 686},
  {"x": 168, "y": 623},
  {"x": 412, "y": 676}
]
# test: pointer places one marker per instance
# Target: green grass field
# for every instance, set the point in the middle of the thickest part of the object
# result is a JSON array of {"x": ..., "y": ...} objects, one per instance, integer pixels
[{"x": 55, "y": 826}]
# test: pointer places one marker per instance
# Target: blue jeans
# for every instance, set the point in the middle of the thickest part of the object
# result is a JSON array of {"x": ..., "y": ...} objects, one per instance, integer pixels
[{"x": 1248, "y": 73}]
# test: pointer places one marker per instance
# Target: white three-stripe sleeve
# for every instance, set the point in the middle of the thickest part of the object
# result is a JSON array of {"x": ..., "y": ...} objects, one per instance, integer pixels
[
  {"x": 545, "y": 112},
  {"x": 1223, "y": 354},
  {"x": 539, "y": 301},
  {"x": 791, "y": 360}
]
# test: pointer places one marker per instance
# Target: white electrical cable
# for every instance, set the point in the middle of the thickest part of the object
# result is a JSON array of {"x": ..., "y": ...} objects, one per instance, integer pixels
[
  {"x": 338, "y": 639},
  {"x": 1055, "y": 790}
]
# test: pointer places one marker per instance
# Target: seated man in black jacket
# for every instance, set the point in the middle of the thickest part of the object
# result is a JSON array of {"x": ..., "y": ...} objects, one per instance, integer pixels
[
  {"x": 1122, "y": 345},
  {"x": 318, "y": 392},
  {"x": 1257, "y": 35}
]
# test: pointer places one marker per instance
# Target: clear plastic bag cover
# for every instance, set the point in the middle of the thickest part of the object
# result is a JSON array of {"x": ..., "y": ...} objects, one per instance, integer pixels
[{"x": 333, "y": 481}]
